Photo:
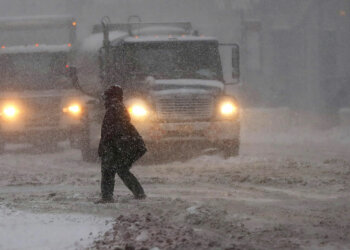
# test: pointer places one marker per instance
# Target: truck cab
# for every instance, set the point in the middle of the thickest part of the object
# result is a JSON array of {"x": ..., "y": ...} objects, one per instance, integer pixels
[
  {"x": 38, "y": 105},
  {"x": 173, "y": 83}
]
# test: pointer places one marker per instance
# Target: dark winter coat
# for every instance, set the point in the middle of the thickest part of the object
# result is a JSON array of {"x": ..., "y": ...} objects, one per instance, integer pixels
[{"x": 119, "y": 138}]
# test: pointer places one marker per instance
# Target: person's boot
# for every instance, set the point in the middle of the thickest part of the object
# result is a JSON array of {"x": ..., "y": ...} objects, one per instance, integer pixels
[
  {"x": 137, "y": 190},
  {"x": 132, "y": 183},
  {"x": 105, "y": 200},
  {"x": 140, "y": 196}
]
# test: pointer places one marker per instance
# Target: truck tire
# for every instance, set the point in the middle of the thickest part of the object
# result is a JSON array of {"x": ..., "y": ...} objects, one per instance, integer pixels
[
  {"x": 88, "y": 153},
  {"x": 230, "y": 148}
]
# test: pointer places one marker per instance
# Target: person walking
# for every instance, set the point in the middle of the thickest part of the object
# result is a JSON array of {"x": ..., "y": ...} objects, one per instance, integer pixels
[{"x": 120, "y": 146}]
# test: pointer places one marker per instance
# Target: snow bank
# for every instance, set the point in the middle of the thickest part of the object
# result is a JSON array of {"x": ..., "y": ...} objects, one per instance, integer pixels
[
  {"x": 24, "y": 230},
  {"x": 153, "y": 231}
]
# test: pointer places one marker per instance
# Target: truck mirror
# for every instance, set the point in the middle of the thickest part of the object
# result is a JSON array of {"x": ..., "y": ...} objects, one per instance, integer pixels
[{"x": 235, "y": 63}]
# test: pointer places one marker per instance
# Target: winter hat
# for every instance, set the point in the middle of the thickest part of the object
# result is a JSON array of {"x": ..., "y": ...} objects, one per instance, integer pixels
[{"x": 113, "y": 92}]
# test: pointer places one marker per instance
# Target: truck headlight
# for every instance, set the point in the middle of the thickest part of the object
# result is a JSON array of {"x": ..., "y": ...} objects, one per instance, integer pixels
[
  {"x": 74, "y": 109},
  {"x": 10, "y": 111},
  {"x": 228, "y": 108},
  {"x": 138, "y": 111}
]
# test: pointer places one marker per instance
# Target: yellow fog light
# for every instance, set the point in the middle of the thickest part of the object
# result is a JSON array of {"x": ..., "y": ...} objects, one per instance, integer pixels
[
  {"x": 10, "y": 111},
  {"x": 138, "y": 111},
  {"x": 74, "y": 109},
  {"x": 228, "y": 109}
]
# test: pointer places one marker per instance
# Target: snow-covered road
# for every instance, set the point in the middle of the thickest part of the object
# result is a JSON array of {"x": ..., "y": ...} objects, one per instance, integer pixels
[
  {"x": 289, "y": 189},
  {"x": 43, "y": 231}
]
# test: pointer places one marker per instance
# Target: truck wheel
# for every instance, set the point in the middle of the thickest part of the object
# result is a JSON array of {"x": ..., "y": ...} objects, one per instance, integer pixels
[
  {"x": 88, "y": 154},
  {"x": 230, "y": 148}
]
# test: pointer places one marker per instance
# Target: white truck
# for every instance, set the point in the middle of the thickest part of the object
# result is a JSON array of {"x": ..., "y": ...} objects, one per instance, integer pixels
[
  {"x": 38, "y": 105},
  {"x": 173, "y": 83}
]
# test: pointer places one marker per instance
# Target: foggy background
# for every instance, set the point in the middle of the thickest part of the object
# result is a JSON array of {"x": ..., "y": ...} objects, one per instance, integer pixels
[
  {"x": 288, "y": 188},
  {"x": 295, "y": 53}
]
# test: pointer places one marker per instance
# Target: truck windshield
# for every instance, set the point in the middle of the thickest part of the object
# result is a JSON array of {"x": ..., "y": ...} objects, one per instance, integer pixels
[
  {"x": 33, "y": 71},
  {"x": 174, "y": 60}
]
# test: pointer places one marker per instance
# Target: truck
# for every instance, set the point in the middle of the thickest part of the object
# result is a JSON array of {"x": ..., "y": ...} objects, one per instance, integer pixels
[
  {"x": 173, "y": 82},
  {"x": 38, "y": 104}
]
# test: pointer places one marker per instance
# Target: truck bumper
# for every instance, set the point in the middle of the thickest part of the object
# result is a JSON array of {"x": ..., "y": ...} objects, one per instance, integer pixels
[
  {"x": 18, "y": 131},
  {"x": 34, "y": 136},
  {"x": 37, "y": 135},
  {"x": 214, "y": 131},
  {"x": 159, "y": 133}
]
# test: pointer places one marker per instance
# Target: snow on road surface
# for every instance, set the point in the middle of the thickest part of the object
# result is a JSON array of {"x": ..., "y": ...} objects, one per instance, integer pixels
[
  {"x": 25, "y": 230},
  {"x": 288, "y": 189}
]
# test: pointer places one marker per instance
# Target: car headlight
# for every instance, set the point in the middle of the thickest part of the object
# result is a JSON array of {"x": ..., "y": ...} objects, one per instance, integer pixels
[
  {"x": 10, "y": 111},
  {"x": 74, "y": 109}
]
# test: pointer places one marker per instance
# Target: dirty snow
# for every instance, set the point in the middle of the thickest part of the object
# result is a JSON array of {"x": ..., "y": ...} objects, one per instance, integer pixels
[{"x": 288, "y": 189}]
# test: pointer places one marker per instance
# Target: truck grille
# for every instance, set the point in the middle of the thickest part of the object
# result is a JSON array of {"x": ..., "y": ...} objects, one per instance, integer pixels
[
  {"x": 185, "y": 107},
  {"x": 43, "y": 112},
  {"x": 43, "y": 121}
]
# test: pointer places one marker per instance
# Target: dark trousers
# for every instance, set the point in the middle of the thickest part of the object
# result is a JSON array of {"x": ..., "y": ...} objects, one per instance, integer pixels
[{"x": 109, "y": 170}]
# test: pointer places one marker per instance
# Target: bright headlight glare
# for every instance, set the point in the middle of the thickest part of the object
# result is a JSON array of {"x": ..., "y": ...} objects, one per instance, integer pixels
[
  {"x": 138, "y": 111},
  {"x": 74, "y": 109},
  {"x": 10, "y": 111},
  {"x": 228, "y": 108}
]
